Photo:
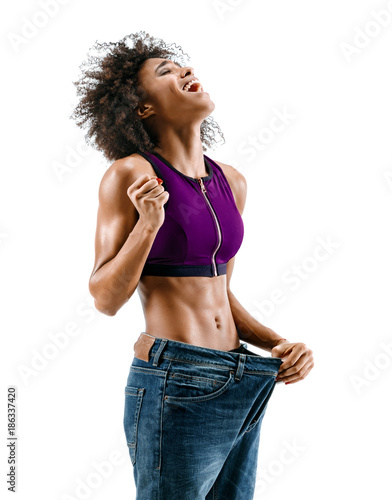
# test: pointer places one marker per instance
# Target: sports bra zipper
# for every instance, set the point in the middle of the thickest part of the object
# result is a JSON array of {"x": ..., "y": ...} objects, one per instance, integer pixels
[{"x": 204, "y": 191}]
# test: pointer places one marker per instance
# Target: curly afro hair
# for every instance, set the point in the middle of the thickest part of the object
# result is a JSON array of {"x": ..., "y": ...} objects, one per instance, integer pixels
[{"x": 110, "y": 94}]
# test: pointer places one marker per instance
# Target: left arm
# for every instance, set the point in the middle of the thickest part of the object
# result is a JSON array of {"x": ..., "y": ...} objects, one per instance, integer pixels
[
  {"x": 249, "y": 329},
  {"x": 298, "y": 357}
]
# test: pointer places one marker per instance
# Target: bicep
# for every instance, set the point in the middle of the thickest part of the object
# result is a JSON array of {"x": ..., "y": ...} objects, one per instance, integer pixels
[{"x": 116, "y": 217}]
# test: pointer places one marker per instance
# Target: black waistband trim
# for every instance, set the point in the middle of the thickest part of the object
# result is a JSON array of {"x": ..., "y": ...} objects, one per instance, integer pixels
[{"x": 183, "y": 270}]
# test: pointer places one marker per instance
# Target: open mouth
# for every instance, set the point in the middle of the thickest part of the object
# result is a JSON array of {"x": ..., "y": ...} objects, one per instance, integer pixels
[{"x": 193, "y": 86}]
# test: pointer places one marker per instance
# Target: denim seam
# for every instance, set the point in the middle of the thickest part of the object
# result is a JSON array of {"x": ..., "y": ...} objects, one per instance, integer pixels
[
  {"x": 199, "y": 363},
  {"x": 196, "y": 378},
  {"x": 219, "y": 367},
  {"x": 139, "y": 399},
  {"x": 257, "y": 372},
  {"x": 161, "y": 426},
  {"x": 162, "y": 373},
  {"x": 206, "y": 397}
]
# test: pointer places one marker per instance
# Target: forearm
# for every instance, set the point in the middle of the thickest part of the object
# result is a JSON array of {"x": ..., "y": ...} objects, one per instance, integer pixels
[
  {"x": 250, "y": 330},
  {"x": 115, "y": 282}
]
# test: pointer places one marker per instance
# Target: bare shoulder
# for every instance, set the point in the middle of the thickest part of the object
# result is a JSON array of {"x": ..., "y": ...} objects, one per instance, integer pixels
[
  {"x": 237, "y": 182},
  {"x": 113, "y": 196},
  {"x": 123, "y": 172},
  {"x": 131, "y": 165}
]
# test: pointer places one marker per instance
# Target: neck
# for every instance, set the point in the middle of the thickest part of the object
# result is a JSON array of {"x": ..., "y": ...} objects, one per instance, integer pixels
[{"x": 183, "y": 149}]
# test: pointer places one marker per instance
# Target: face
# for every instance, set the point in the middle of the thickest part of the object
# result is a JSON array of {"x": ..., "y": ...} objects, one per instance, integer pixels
[{"x": 166, "y": 101}]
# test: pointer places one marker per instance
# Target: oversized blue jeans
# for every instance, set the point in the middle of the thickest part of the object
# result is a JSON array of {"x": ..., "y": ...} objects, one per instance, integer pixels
[{"x": 192, "y": 420}]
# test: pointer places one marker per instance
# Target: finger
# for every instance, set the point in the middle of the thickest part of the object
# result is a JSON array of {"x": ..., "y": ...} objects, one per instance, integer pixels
[
  {"x": 295, "y": 367},
  {"x": 141, "y": 180},
  {"x": 162, "y": 195},
  {"x": 298, "y": 378},
  {"x": 299, "y": 375},
  {"x": 297, "y": 351},
  {"x": 288, "y": 364},
  {"x": 149, "y": 186},
  {"x": 281, "y": 350},
  {"x": 136, "y": 188}
]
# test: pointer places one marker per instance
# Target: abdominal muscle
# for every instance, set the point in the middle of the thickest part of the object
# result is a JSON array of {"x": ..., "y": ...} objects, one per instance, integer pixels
[{"x": 190, "y": 309}]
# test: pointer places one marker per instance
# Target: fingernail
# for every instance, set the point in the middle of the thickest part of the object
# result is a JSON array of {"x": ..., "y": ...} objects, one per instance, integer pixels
[
  {"x": 159, "y": 180},
  {"x": 288, "y": 383}
]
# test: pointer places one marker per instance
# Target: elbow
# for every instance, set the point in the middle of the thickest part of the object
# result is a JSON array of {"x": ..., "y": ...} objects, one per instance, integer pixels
[
  {"x": 104, "y": 301},
  {"x": 108, "y": 297},
  {"x": 108, "y": 311}
]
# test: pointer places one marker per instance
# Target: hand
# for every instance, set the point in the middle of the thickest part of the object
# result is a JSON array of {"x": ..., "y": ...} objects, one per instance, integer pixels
[
  {"x": 148, "y": 195},
  {"x": 297, "y": 362}
]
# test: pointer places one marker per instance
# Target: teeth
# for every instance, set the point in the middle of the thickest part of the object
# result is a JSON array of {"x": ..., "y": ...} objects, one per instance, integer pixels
[{"x": 189, "y": 84}]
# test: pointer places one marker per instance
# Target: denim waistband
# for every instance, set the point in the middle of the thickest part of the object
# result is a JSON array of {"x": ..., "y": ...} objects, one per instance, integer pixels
[{"x": 203, "y": 356}]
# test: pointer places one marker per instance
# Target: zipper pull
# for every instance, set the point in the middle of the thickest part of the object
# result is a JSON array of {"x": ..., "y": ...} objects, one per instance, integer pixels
[{"x": 202, "y": 185}]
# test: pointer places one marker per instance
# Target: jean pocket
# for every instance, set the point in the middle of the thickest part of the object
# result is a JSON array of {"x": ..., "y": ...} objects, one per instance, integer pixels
[
  {"x": 195, "y": 384},
  {"x": 133, "y": 404}
]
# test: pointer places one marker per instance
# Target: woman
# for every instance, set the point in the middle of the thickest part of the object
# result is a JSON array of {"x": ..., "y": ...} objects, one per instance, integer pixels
[{"x": 169, "y": 225}]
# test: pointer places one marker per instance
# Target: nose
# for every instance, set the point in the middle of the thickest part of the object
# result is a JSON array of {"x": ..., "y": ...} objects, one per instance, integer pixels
[{"x": 186, "y": 71}]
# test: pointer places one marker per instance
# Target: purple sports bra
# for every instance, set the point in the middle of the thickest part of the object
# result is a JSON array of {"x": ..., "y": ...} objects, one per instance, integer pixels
[{"x": 203, "y": 228}]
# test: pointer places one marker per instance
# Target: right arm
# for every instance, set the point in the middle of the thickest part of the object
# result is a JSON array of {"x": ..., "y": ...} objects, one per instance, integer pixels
[{"x": 129, "y": 217}]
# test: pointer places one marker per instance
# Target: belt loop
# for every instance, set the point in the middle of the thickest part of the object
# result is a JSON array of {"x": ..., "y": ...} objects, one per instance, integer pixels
[
  {"x": 240, "y": 366},
  {"x": 158, "y": 353}
]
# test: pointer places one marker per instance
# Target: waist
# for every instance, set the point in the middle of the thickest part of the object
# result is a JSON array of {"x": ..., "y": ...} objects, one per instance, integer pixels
[
  {"x": 194, "y": 310},
  {"x": 157, "y": 348}
]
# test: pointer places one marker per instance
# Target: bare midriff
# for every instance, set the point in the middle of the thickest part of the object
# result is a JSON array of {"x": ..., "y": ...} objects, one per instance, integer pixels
[{"x": 190, "y": 309}]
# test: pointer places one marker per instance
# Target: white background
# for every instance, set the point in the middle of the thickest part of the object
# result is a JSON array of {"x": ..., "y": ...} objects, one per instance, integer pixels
[{"x": 326, "y": 176}]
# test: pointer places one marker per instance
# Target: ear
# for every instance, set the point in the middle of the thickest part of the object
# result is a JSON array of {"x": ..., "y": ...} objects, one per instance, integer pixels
[{"x": 145, "y": 110}]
